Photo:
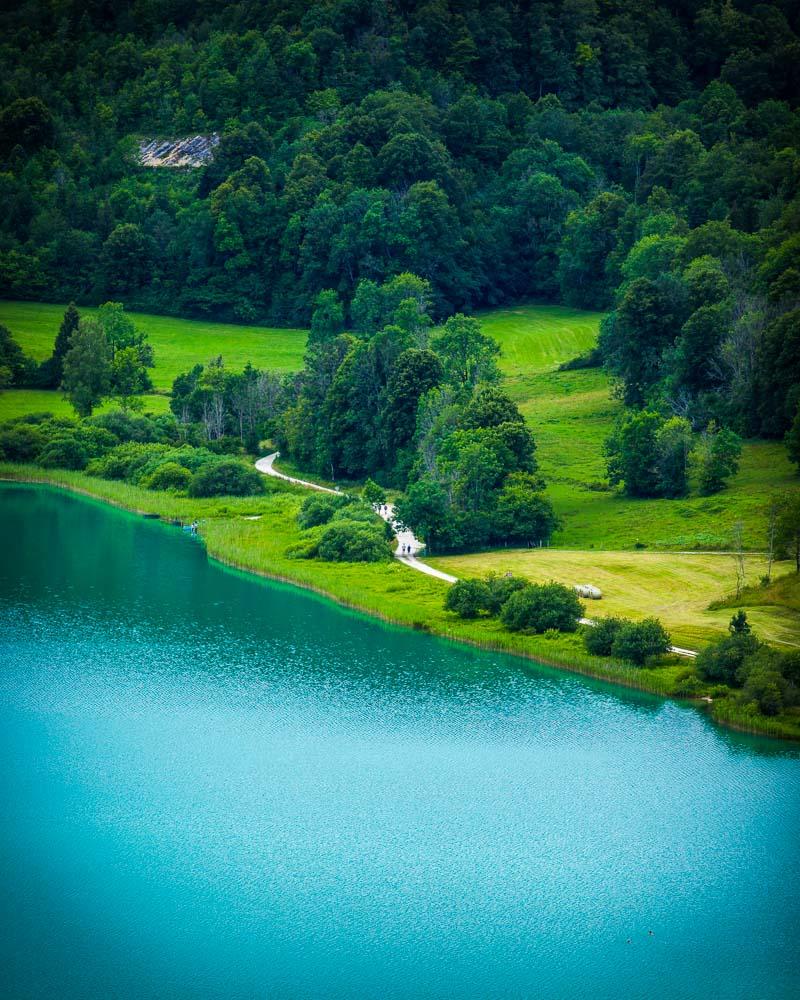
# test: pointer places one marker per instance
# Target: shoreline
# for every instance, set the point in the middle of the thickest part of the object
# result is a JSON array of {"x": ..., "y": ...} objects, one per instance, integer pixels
[{"x": 631, "y": 678}]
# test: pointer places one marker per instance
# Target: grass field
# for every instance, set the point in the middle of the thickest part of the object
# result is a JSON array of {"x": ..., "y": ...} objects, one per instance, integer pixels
[
  {"x": 536, "y": 338},
  {"x": 676, "y": 589},
  {"x": 177, "y": 343},
  {"x": 572, "y": 413},
  {"x": 20, "y": 402}
]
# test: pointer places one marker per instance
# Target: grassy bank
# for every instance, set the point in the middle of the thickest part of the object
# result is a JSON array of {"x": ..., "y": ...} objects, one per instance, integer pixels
[{"x": 253, "y": 534}]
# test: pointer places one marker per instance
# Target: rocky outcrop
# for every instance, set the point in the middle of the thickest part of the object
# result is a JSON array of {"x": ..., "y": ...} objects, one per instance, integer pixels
[{"x": 195, "y": 151}]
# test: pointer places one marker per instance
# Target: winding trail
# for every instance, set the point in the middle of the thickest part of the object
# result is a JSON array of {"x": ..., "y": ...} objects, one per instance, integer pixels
[{"x": 407, "y": 544}]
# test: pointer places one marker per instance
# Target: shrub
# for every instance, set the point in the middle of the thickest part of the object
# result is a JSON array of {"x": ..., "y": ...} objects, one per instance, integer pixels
[
  {"x": 354, "y": 510},
  {"x": 721, "y": 661},
  {"x": 96, "y": 440},
  {"x": 168, "y": 476},
  {"x": 226, "y": 445},
  {"x": 636, "y": 641},
  {"x": 226, "y": 478},
  {"x": 468, "y": 598},
  {"x": 127, "y": 426},
  {"x": 599, "y": 639},
  {"x": 191, "y": 458},
  {"x": 766, "y": 687},
  {"x": 500, "y": 589},
  {"x": 126, "y": 460},
  {"x": 688, "y": 684},
  {"x": 20, "y": 442},
  {"x": 350, "y": 541},
  {"x": 538, "y": 607},
  {"x": 64, "y": 453},
  {"x": 319, "y": 508}
]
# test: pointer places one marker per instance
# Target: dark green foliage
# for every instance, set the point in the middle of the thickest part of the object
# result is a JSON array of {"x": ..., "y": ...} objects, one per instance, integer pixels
[
  {"x": 353, "y": 541},
  {"x": 638, "y": 641},
  {"x": 719, "y": 458},
  {"x": 599, "y": 638},
  {"x": 468, "y": 598},
  {"x": 327, "y": 320},
  {"x": 721, "y": 661},
  {"x": 51, "y": 371},
  {"x": 764, "y": 680},
  {"x": 539, "y": 607},
  {"x": 787, "y": 527},
  {"x": 64, "y": 453},
  {"x": 500, "y": 588},
  {"x": 523, "y": 515},
  {"x": 28, "y": 123},
  {"x": 499, "y": 152},
  {"x": 87, "y": 367},
  {"x": 649, "y": 455},
  {"x": 168, "y": 476},
  {"x": 126, "y": 426},
  {"x": 226, "y": 478},
  {"x": 319, "y": 508},
  {"x": 21, "y": 442},
  {"x": 15, "y": 368},
  {"x": 792, "y": 439},
  {"x": 739, "y": 624}
]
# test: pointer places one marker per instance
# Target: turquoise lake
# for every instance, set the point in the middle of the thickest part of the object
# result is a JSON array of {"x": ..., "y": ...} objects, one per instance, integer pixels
[{"x": 217, "y": 787}]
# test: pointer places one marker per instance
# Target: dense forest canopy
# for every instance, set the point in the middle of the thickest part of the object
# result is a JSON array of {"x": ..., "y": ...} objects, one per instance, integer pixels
[{"x": 639, "y": 157}]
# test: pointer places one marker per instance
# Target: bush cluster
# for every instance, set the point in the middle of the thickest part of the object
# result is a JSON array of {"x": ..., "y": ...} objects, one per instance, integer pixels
[
  {"x": 341, "y": 528},
  {"x": 627, "y": 640},
  {"x": 139, "y": 450},
  {"x": 763, "y": 680},
  {"x": 521, "y": 606}
]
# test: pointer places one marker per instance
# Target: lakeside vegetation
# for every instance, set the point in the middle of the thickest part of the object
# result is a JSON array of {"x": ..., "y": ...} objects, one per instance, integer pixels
[{"x": 254, "y": 534}]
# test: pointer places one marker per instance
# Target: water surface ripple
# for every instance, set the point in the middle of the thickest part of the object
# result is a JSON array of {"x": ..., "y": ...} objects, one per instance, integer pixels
[{"x": 218, "y": 787}]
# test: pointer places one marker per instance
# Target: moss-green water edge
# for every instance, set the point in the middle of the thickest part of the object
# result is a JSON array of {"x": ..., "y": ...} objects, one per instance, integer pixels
[{"x": 218, "y": 515}]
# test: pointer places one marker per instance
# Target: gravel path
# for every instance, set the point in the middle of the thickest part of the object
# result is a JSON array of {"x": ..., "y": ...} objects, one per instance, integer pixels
[{"x": 405, "y": 539}]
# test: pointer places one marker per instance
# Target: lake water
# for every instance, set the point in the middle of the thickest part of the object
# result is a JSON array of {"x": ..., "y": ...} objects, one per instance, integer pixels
[{"x": 218, "y": 787}]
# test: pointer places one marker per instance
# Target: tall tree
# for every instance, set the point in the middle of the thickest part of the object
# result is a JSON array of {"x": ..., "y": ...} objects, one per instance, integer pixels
[{"x": 87, "y": 367}]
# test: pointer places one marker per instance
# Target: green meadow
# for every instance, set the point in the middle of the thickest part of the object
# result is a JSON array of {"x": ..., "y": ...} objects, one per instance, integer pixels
[{"x": 177, "y": 343}]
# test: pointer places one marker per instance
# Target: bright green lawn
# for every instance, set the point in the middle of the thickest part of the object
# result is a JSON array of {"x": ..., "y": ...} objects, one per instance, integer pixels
[
  {"x": 20, "y": 402},
  {"x": 536, "y": 338},
  {"x": 177, "y": 343}
]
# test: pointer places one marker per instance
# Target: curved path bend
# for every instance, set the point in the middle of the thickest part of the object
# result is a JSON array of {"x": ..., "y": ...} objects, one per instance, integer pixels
[
  {"x": 405, "y": 539},
  {"x": 407, "y": 544}
]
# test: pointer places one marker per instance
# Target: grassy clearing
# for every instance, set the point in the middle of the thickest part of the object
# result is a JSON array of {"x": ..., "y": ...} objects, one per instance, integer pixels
[
  {"x": 21, "y": 402},
  {"x": 177, "y": 343},
  {"x": 572, "y": 413},
  {"x": 677, "y": 589},
  {"x": 535, "y": 338}
]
